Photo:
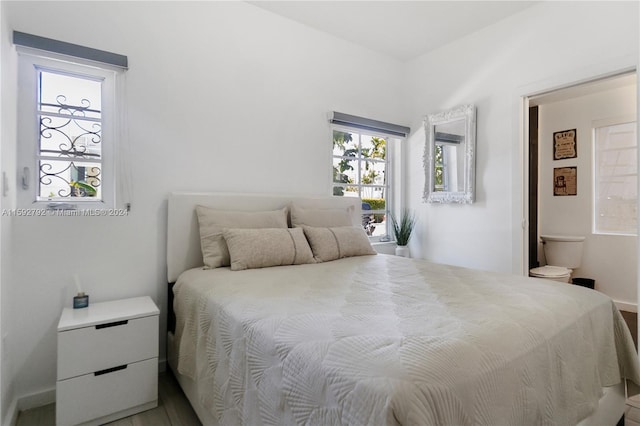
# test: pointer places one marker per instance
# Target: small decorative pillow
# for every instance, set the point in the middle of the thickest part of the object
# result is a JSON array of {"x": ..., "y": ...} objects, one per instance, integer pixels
[
  {"x": 320, "y": 217},
  {"x": 214, "y": 249},
  {"x": 261, "y": 248},
  {"x": 337, "y": 242}
]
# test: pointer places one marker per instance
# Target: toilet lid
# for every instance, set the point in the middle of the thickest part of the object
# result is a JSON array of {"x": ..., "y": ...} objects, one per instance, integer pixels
[{"x": 550, "y": 271}]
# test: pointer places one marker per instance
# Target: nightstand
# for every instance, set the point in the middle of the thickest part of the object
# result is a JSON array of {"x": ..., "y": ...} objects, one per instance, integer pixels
[{"x": 107, "y": 361}]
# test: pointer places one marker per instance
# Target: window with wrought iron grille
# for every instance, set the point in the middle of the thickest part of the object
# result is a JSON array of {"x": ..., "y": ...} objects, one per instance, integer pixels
[
  {"x": 67, "y": 127},
  {"x": 361, "y": 168}
]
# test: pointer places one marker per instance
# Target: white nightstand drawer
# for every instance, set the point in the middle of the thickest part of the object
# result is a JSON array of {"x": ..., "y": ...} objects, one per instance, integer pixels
[
  {"x": 90, "y": 349},
  {"x": 90, "y": 397}
]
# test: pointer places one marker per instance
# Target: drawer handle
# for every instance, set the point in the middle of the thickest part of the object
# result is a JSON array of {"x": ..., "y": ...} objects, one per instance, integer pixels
[
  {"x": 110, "y": 370},
  {"x": 111, "y": 324}
]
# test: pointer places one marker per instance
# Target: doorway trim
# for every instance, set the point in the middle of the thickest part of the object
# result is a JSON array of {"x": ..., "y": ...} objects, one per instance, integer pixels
[{"x": 522, "y": 96}]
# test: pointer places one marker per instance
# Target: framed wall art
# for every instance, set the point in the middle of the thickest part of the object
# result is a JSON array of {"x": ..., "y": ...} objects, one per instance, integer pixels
[
  {"x": 565, "y": 181},
  {"x": 565, "y": 144}
]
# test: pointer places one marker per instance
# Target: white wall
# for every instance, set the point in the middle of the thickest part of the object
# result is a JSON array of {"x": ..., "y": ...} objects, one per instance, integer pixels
[
  {"x": 7, "y": 161},
  {"x": 547, "y": 45},
  {"x": 610, "y": 260},
  {"x": 222, "y": 96},
  {"x": 2, "y": 364}
]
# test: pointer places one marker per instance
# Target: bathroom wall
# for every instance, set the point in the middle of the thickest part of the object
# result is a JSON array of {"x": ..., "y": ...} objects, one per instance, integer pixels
[{"x": 609, "y": 259}]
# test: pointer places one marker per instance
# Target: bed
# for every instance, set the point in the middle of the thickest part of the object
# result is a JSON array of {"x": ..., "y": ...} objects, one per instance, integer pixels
[{"x": 378, "y": 339}]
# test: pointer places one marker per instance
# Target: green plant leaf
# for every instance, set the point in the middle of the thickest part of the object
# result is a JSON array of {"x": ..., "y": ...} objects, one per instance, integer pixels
[
  {"x": 402, "y": 230},
  {"x": 88, "y": 189}
]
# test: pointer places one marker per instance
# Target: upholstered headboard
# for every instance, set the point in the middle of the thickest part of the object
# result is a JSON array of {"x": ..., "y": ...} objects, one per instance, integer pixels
[{"x": 183, "y": 237}]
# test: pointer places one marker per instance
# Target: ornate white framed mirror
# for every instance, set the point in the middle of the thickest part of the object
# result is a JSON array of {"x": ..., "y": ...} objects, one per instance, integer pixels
[{"x": 449, "y": 156}]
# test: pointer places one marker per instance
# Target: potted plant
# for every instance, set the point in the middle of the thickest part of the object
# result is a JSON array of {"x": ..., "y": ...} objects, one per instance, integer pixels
[{"x": 402, "y": 231}]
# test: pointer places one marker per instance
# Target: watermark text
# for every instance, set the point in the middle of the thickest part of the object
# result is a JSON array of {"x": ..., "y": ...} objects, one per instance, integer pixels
[{"x": 64, "y": 212}]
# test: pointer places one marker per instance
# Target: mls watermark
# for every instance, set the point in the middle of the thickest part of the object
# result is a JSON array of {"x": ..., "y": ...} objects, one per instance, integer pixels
[{"x": 64, "y": 212}]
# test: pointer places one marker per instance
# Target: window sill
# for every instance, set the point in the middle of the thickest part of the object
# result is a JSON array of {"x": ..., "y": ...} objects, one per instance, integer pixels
[{"x": 387, "y": 247}]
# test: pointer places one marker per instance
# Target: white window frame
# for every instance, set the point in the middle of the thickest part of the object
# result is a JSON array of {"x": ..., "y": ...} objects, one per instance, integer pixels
[
  {"x": 29, "y": 62},
  {"x": 595, "y": 125},
  {"x": 389, "y": 175}
]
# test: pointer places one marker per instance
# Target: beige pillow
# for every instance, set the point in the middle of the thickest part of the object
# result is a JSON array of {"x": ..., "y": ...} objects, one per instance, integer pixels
[
  {"x": 261, "y": 248},
  {"x": 320, "y": 217},
  {"x": 337, "y": 242},
  {"x": 214, "y": 249}
]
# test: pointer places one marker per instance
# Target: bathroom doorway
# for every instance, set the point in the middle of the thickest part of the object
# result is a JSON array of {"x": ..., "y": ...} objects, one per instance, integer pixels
[{"x": 561, "y": 148}]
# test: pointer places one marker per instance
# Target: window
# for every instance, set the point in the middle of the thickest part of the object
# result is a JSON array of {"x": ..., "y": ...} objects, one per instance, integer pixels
[
  {"x": 616, "y": 179},
  {"x": 69, "y": 150},
  {"x": 66, "y": 126},
  {"x": 361, "y": 164},
  {"x": 361, "y": 169}
]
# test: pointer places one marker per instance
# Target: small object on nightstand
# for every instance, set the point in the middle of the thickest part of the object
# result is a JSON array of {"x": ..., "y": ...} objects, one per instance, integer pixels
[{"x": 81, "y": 301}]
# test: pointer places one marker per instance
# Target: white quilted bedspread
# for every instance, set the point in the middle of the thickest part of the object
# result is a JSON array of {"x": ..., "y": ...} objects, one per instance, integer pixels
[{"x": 385, "y": 340}]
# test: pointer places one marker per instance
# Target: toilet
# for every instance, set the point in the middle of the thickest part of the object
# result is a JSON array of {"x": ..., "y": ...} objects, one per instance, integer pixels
[{"x": 563, "y": 254}]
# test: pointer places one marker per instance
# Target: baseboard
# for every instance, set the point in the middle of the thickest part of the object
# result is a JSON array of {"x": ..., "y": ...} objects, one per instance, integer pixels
[
  {"x": 627, "y": 307},
  {"x": 37, "y": 399},
  {"x": 26, "y": 402},
  {"x": 11, "y": 418}
]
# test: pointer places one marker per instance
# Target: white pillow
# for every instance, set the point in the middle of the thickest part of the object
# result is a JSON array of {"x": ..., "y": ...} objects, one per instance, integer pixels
[
  {"x": 337, "y": 242},
  {"x": 261, "y": 248},
  {"x": 212, "y": 222},
  {"x": 320, "y": 217}
]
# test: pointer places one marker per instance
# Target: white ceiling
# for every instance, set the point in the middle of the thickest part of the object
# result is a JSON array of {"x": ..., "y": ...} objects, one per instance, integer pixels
[{"x": 401, "y": 29}]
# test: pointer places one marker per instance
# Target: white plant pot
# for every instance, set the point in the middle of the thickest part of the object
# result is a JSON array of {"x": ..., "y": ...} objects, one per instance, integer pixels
[{"x": 403, "y": 251}]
